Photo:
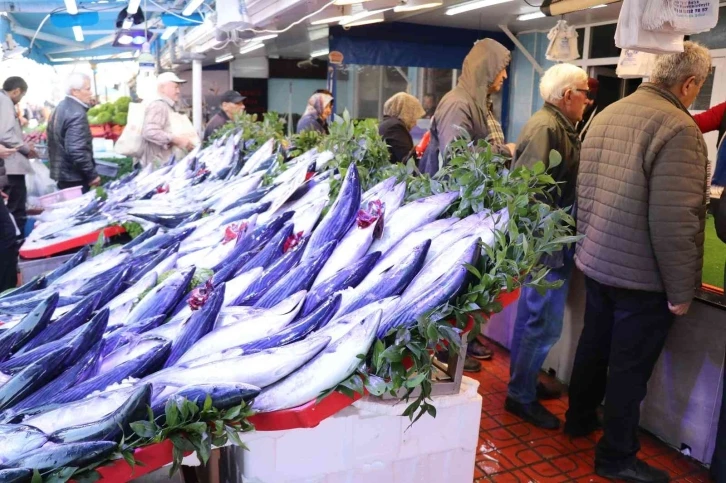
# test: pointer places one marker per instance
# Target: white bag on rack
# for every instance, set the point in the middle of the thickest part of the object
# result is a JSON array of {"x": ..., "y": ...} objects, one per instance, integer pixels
[
  {"x": 563, "y": 43},
  {"x": 634, "y": 64},
  {"x": 629, "y": 33},
  {"x": 680, "y": 16}
]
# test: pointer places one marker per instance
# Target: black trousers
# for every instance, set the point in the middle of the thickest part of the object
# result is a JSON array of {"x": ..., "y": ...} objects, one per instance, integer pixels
[
  {"x": 70, "y": 184},
  {"x": 8, "y": 250},
  {"x": 718, "y": 462},
  {"x": 624, "y": 334},
  {"x": 17, "y": 193}
]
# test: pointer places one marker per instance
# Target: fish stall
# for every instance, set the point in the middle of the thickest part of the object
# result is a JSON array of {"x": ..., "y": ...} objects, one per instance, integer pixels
[{"x": 264, "y": 291}]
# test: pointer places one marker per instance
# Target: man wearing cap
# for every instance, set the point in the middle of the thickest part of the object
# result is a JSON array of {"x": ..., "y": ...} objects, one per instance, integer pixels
[
  {"x": 158, "y": 140},
  {"x": 231, "y": 104}
]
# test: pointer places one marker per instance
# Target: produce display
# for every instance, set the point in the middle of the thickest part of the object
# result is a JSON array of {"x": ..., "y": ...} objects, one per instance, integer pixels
[
  {"x": 110, "y": 113},
  {"x": 259, "y": 283}
]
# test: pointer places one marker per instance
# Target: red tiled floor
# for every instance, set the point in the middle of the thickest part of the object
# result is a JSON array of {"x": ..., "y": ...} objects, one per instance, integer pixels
[{"x": 513, "y": 451}]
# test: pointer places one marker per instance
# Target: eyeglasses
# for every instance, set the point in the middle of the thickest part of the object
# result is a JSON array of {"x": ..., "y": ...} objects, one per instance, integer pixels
[{"x": 590, "y": 95}]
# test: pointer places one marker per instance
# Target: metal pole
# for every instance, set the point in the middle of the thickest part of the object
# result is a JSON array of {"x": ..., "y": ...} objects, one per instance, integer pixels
[
  {"x": 197, "y": 95},
  {"x": 289, "y": 110},
  {"x": 524, "y": 50}
]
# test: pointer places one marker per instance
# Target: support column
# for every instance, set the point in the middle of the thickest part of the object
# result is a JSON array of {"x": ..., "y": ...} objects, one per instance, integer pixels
[{"x": 197, "y": 95}]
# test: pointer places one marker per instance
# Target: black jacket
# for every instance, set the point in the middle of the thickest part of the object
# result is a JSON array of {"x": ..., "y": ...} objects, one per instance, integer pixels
[
  {"x": 219, "y": 120},
  {"x": 311, "y": 122},
  {"x": 70, "y": 147},
  {"x": 397, "y": 137}
]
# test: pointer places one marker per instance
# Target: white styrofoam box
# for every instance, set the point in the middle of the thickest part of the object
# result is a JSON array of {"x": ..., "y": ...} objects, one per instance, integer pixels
[{"x": 370, "y": 442}]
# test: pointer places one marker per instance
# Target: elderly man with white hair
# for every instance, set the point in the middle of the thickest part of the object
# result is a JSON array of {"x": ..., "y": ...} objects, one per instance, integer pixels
[
  {"x": 641, "y": 204},
  {"x": 538, "y": 325},
  {"x": 70, "y": 146},
  {"x": 159, "y": 142}
]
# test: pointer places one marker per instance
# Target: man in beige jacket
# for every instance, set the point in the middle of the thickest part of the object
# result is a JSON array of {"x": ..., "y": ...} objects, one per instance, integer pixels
[
  {"x": 641, "y": 207},
  {"x": 158, "y": 141}
]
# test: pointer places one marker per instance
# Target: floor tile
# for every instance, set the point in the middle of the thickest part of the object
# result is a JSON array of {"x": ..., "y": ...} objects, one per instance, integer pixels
[
  {"x": 527, "y": 432},
  {"x": 572, "y": 466},
  {"x": 499, "y": 438},
  {"x": 516, "y": 476},
  {"x": 506, "y": 419},
  {"x": 521, "y": 455},
  {"x": 545, "y": 472},
  {"x": 488, "y": 423}
]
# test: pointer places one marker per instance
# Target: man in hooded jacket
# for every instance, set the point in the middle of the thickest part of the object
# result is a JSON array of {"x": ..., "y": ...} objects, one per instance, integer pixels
[{"x": 468, "y": 106}]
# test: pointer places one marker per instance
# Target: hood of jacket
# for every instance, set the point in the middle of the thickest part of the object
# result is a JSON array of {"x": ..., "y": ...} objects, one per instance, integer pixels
[
  {"x": 405, "y": 107},
  {"x": 482, "y": 64}
]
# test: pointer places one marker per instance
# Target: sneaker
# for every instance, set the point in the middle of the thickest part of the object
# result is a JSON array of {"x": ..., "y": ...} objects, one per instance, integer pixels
[
  {"x": 545, "y": 393},
  {"x": 477, "y": 350},
  {"x": 533, "y": 413},
  {"x": 470, "y": 365},
  {"x": 639, "y": 472}
]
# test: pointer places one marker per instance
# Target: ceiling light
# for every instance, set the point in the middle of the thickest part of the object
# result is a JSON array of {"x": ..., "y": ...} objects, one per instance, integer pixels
[
  {"x": 224, "y": 58},
  {"x": 319, "y": 53},
  {"x": 355, "y": 19},
  {"x": 138, "y": 40},
  {"x": 128, "y": 23},
  {"x": 71, "y": 7},
  {"x": 598, "y": 6},
  {"x": 413, "y": 5},
  {"x": 530, "y": 16},
  {"x": 466, "y": 7},
  {"x": 133, "y": 6},
  {"x": 329, "y": 16},
  {"x": 78, "y": 33},
  {"x": 348, "y": 2},
  {"x": 192, "y": 6},
  {"x": 252, "y": 47},
  {"x": 261, "y": 38},
  {"x": 125, "y": 39},
  {"x": 168, "y": 32},
  {"x": 367, "y": 21}
]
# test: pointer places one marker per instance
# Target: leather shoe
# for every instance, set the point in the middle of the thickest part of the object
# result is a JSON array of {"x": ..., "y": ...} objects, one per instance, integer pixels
[
  {"x": 545, "y": 393},
  {"x": 582, "y": 428},
  {"x": 639, "y": 472},
  {"x": 470, "y": 365},
  {"x": 533, "y": 413},
  {"x": 477, "y": 350}
]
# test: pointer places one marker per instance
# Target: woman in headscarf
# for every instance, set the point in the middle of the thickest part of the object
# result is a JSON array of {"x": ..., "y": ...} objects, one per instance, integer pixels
[
  {"x": 400, "y": 114},
  {"x": 320, "y": 106}
]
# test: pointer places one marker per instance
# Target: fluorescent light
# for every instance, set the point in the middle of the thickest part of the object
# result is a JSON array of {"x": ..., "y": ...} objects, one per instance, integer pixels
[
  {"x": 128, "y": 23},
  {"x": 319, "y": 53},
  {"x": 192, "y": 6},
  {"x": 252, "y": 47},
  {"x": 78, "y": 33},
  {"x": 367, "y": 21},
  {"x": 133, "y": 6},
  {"x": 354, "y": 19},
  {"x": 530, "y": 16},
  {"x": 224, "y": 58},
  {"x": 412, "y": 6},
  {"x": 125, "y": 39},
  {"x": 338, "y": 18},
  {"x": 168, "y": 32},
  {"x": 261, "y": 38},
  {"x": 71, "y": 7},
  {"x": 598, "y": 6},
  {"x": 348, "y": 2},
  {"x": 466, "y": 7}
]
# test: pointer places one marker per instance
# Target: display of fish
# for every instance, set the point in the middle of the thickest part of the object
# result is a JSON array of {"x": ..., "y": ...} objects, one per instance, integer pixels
[
  {"x": 17, "y": 440},
  {"x": 57, "y": 456}
]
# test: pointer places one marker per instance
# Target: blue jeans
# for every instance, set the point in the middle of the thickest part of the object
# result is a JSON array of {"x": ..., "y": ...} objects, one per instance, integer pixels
[{"x": 537, "y": 328}]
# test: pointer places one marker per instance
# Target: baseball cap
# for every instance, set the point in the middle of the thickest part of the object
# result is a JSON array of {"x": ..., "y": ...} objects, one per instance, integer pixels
[
  {"x": 232, "y": 96},
  {"x": 169, "y": 77}
]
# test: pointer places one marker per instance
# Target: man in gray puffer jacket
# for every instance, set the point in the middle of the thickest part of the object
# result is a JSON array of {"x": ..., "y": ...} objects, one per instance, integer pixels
[{"x": 641, "y": 208}]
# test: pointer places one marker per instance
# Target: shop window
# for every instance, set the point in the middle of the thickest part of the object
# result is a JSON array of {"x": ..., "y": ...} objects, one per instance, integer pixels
[
  {"x": 581, "y": 41},
  {"x": 703, "y": 101},
  {"x": 716, "y": 37},
  {"x": 602, "y": 42},
  {"x": 395, "y": 80},
  {"x": 436, "y": 82},
  {"x": 368, "y": 80}
]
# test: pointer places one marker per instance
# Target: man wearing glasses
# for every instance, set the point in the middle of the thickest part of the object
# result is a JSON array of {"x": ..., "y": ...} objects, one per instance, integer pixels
[{"x": 539, "y": 317}]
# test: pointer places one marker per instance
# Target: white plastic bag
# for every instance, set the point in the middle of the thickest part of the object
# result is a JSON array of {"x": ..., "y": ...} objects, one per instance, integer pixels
[
  {"x": 181, "y": 126},
  {"x": 130, "y": 142},
  {"x": 563, "y": 43},
  {"x": 39, "y": 182},
  {"x": 680, "y": 16},
  {"x": 629, "y": 33},
  {"x": 634, "y": 64}
]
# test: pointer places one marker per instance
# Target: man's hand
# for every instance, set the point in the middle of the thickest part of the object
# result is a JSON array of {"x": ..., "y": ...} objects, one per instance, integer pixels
[
  {"x": 512, "y": 148},
  {"x": 4, "y": 195},
  {"x": 183, "y": 143},
  {"x": 5, "y": 152},
  {"x": 95, "y": 182},
  {"x": 680, "y": 309}
]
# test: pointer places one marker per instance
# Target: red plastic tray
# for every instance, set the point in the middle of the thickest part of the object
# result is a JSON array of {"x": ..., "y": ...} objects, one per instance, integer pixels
[
  {"x": 89, "y": 239},
  {"x": 151, "y": 458}
]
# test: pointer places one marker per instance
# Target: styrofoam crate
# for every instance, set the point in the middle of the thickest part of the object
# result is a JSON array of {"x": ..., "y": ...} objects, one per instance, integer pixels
[{"x": 32, "y": 268}]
